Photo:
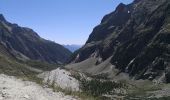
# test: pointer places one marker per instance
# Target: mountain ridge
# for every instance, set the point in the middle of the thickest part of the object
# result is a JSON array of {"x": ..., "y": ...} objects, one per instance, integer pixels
[
  {"x": 135, "y": 36},
  {"x": 24, "y": 43}
]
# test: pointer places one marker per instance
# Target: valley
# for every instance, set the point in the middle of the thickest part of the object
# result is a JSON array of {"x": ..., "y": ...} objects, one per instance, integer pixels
[{"x": 126, "y": 57}]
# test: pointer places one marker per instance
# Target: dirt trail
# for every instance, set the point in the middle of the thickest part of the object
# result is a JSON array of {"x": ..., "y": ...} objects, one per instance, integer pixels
[{"x": 12, "y": 88}]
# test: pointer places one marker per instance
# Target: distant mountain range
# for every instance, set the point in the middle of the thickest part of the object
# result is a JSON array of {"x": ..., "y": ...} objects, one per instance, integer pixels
[{"x": 72, "y": 47}]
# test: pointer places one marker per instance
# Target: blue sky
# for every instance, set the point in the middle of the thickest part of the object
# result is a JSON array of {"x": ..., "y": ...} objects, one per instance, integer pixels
[{"x": 62, "y": 21}]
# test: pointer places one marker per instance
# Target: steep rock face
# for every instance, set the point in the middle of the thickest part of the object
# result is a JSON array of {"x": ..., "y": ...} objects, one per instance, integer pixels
[
  {"x": 24, "y": 43},
  {"x": 136, "y": 37},
  {"x": 99, "y": 42}
]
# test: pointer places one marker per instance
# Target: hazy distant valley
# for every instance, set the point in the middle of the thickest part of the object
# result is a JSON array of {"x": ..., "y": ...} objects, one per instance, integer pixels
[
  {"x": 126, "y": 57},
  {"x": 73, "y": 47}
]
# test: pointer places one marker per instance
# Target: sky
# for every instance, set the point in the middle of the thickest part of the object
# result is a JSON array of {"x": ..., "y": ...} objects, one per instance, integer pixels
[{"x": 62, "y": 21}]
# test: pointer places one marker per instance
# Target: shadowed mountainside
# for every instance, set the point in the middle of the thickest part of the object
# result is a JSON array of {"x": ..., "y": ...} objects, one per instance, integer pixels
[
  {"x": 135, "y": 39},
  {"x": 25, "y": 44}
]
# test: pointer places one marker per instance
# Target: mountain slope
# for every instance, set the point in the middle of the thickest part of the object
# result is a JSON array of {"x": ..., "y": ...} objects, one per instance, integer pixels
[
  {"x": 9, "y": 65},
  {"x": 24, "y": 44},
  {"x": 133, "y": 39}
]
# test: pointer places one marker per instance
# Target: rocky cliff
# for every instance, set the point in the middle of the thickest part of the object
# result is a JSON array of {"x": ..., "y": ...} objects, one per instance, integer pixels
[{"x": 135, "y": 39}]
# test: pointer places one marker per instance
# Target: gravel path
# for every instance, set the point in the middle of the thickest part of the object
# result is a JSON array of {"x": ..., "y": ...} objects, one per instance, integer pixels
[{"x": 12, "y": 88}]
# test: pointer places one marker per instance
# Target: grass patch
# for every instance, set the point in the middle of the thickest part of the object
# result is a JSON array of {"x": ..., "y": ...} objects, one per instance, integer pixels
[
  {"x": 141, "y": 91},
  {"x": 42, "y": 65}
]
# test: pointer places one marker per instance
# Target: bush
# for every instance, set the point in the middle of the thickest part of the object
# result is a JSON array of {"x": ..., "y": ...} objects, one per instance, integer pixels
[{"x": 97, "y": 87}]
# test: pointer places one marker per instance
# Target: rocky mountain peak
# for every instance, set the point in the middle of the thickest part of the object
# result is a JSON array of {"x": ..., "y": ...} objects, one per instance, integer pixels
[
  {"x": 120, "y": 7},
  {"x": 2, "y": 18}
]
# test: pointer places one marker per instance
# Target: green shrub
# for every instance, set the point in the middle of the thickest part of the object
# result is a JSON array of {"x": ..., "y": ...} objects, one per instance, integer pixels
[{"x": 97, "y": 87}]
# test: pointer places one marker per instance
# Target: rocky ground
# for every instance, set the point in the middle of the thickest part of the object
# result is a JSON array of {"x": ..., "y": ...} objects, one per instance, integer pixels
[
  {"x": 12, "y": 88},
  {"x": 61, "y": 78}
]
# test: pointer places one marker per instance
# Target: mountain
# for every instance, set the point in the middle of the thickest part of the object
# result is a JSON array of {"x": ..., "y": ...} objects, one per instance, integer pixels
[
  {"x": 134, "y": 39},
  {"x": 25, "y": 44},
  {"x": 130, "y": 46},
  {"x": 72, "y": 47},
  {"x": 9, "y": 65}
]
